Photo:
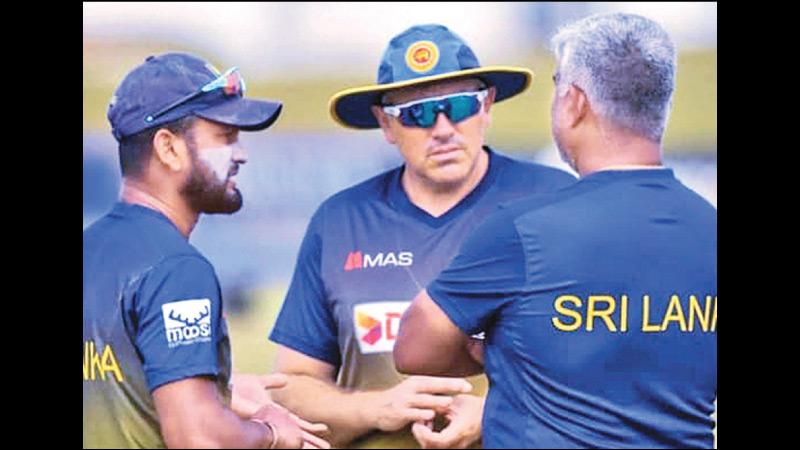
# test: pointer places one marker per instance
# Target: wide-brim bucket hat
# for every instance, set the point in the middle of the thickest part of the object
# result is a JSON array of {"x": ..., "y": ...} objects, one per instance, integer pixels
[{"x": 419, "y": 55}]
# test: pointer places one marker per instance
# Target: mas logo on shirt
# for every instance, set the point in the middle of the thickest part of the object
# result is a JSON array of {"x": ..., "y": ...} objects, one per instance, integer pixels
[
  {"x": 376, "y": 325},
  {"x": 359, "y": 260},
  {"x": 187, "y": 321}
]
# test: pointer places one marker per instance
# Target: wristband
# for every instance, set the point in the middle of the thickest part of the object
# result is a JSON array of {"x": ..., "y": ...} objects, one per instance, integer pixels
[{"x": 272, "y": 429}]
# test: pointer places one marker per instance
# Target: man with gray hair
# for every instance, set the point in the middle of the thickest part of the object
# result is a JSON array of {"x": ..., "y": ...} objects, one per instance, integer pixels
[
  {"x": 598, "y": 301},
  {"x": 624, "y": 66}
]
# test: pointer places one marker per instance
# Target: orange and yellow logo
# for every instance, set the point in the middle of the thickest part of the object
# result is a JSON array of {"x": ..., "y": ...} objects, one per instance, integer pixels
[
  {"x": 369, "y": 323},
  {"x": 422, "y": 56},
  {"x": 377, "y": 325}
]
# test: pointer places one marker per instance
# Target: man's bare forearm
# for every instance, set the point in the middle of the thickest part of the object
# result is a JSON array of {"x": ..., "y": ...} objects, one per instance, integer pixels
[
  {"x": 227, "y": 430},
  {"x": 347, "y": 414},
  {"x": 207, "y": 424},
  {"x": 428, "y": 343},
  {"x": 454, "y": 361}
]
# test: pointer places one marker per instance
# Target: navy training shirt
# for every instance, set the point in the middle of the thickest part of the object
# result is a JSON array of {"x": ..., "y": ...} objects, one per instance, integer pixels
[
  {"x": 599, "y": 304},
  {"x": 152, "y": 314},
  {"x": 367, "y": 252}
]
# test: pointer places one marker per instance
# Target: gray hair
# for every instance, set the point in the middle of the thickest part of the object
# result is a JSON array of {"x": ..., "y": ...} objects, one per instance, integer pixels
[{"x": 625, "y": 64}]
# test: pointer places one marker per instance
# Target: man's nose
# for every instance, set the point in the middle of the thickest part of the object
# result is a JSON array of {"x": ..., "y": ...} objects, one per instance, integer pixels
[
  {"x": 443, "y": 129},
  {"x": 239, "y": 153}
]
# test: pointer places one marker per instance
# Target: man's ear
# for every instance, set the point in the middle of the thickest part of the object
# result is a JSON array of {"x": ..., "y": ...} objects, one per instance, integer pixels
[
  {"x": 169, "y": 150},
  {"x": 576, "y": 106},
  {"x": 487, "y": 107},
  {"x": 383, "y": 121},
  {"x": 487, "y": 104}
]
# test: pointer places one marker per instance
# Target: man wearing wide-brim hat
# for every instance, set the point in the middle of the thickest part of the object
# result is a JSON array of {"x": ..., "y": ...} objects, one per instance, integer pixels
[{"x": 370, "y": 248}]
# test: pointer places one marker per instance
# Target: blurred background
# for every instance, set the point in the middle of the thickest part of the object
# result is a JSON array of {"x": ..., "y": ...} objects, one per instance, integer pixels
[{"x": 302, "y": 53}]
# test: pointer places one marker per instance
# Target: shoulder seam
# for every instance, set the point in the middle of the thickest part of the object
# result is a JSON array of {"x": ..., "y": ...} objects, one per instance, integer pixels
[
  {"x": 522, "y": 249},
  {"x": 161, "y": 261}
]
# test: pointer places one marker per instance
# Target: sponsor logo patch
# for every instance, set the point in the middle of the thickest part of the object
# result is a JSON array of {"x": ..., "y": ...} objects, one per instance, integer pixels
[
  {"x": 359, "y": 260},
  {"x": 376, "y": 325},
  {"x": 187, "y": 321}
]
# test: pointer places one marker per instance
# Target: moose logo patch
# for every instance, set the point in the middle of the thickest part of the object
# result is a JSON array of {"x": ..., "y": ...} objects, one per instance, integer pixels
[{"x": 187, "y": 321}]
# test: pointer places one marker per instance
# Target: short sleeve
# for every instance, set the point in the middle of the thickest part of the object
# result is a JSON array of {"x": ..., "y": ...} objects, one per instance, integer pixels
[
  {"x": 179, "y": 313},
  {"x": 486, "y": 274},
  {"x": 306, "y": 323}
]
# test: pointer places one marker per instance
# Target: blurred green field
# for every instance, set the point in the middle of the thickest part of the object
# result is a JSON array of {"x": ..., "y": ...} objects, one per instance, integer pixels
[
  {"x": 252, "y": 351},
  {"x": 520, "y": 123}
]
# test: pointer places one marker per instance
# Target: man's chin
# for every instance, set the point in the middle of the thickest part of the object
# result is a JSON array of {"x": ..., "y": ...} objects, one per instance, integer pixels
[
  {"x": 228, "y": 204},
  {"x": 447, "y": 174},
  {"x": 223, "y": 210}
]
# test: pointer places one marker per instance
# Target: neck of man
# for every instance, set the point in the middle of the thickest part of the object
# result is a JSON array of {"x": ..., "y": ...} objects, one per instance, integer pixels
[
  {"x": 436, "y": 198},
  {"x": 173, "y": 207},
  {"x": 617, "y": 150}
]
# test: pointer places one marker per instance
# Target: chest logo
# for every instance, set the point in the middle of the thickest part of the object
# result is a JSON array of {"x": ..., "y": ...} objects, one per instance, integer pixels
[
  {"x": 376, "y": 325},
  {"x": 358, "y": 260}
]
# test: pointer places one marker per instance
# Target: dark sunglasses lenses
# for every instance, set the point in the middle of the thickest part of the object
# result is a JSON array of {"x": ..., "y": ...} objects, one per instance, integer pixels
[{"x": 424, "y": 114}]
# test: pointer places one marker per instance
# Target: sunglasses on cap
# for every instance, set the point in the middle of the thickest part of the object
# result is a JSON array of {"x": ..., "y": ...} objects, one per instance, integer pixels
[
  {"x": 231, "y": 82},
  {"x": 422, "y": 113}
]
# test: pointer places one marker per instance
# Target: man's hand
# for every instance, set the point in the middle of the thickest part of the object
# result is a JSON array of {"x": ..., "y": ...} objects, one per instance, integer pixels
[
  {"x": 288, "y": 433},
  {"x": 251, "y": 391},
  {"x": 309, "y": 431},
  {"x": 417, "y": 399},
  {"x": 464, "y": 416}
]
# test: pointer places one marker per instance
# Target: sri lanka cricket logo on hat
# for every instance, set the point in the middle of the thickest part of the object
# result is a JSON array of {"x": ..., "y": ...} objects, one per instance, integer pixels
[{"x": 422, "y": 56}]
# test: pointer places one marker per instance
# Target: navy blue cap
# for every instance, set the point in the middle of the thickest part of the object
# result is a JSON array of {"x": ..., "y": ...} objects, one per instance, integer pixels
[
  {"x": 165, "y": 79},
  {"x": 423, "y": 54}
]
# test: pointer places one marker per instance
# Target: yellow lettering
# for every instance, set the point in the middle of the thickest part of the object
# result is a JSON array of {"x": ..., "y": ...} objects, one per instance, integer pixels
[
  {"x": 86, "y": 360},
  {"x": 559, "y": 305},
  {"x": 647, "y": 327},
  {"x": 605, "y": 314},
  {"x": 96, "y": 364},
  {"x": 674, "y": 314},
  {"x": 110, "y": 363},
  {"x": 703, "y": 315},
  {"x": 623, "y": 314},
  {"x": 714, "y": 314}
]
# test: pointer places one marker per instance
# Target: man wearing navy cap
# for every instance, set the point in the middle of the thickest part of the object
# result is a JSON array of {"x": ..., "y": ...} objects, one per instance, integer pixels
[
  {"x": 157, "y": 365},
  {"x": 599, "y": 301},
  {"x": 370, "y": 248}
]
